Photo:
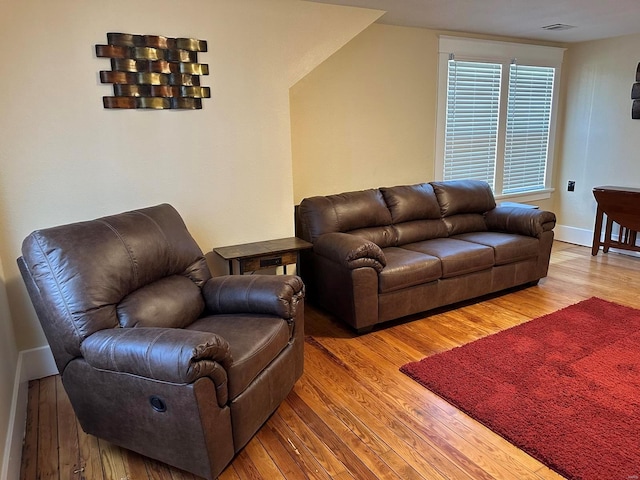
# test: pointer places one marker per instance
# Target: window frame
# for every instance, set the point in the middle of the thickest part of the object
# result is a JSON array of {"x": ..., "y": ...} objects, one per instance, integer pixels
[{"x": 505, "y": 53}]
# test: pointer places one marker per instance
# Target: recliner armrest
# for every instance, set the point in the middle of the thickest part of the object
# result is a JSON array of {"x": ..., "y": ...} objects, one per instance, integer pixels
[
  {"x": 524, "y": 221},
  {"x": 264, "y": 294},
  {"x": 350, "y": 251},
  {"x": 166, "y": 354}
]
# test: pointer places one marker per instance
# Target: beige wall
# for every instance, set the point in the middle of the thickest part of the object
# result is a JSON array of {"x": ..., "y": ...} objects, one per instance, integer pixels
[
  {"x": 366, "y": 116},
  {"x": 600, "y": 144},
  {"x": 226, "y": 168},
  {"x": 8, "y": 363}
]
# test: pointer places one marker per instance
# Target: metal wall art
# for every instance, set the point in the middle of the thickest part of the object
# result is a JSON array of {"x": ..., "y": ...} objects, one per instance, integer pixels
[
  {"x": 150, "y": 71},
  {"x": 635, "y": 96}
]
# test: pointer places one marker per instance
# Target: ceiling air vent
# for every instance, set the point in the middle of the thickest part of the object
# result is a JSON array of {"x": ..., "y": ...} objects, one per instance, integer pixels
[{"x": 558, "y": 26}]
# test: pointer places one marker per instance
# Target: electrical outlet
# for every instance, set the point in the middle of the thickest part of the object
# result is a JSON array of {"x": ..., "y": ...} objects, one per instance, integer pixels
[{"x": 571, "y": 186}]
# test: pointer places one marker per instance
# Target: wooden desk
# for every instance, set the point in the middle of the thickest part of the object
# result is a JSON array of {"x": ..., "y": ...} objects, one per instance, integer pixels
[
  {"x": 622, "y": 207},
  {"x": 261, "y": 255}
]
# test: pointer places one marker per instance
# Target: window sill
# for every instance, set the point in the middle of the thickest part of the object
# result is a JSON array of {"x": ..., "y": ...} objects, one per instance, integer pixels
[{"x": 526, "y": 196}]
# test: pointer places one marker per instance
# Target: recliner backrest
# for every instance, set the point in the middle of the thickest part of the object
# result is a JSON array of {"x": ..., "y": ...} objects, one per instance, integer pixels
[{"x": 135, "y": 268}]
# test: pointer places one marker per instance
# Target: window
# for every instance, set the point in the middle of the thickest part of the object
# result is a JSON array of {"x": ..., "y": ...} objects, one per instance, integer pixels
[
  {"x": 473, "y": 109},
  {"x": 497, "y": 114},
  {"x": 528, "y": 122}
]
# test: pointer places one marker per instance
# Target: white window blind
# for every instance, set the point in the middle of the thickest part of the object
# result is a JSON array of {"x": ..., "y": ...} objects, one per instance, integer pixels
[
  {"x": 527, "y": 128},
  {"x": 472, "y": 114}
]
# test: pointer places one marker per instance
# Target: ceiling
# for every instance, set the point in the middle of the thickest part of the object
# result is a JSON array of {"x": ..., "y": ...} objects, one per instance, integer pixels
[{"x": 592, "y": 19}]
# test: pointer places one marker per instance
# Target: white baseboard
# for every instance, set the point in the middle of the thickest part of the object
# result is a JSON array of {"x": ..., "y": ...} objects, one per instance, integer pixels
[
  {"x": 32, "y": 364},
  {"x": 577, "y": 236},
  {"x": 37, "y": 363},
  {"x": 584, "y": 237}
]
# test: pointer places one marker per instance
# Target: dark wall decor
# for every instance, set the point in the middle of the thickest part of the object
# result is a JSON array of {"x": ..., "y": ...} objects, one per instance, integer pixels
[
  {"x": 635, "y": 96},
  {"x": 151, "y": 71}
]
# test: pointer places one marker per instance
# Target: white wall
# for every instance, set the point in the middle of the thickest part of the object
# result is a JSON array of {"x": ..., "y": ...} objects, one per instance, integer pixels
[{"x": 600, "y": 143}]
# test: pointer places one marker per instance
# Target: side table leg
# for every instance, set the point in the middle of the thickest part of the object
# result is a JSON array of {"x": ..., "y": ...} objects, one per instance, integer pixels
[
  {"x": 597, "y": 232},
  {"x": 607, "y": 235}
]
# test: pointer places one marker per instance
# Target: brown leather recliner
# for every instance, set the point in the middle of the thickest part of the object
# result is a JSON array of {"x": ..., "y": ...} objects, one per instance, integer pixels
[{"x": 155, "y": 354}]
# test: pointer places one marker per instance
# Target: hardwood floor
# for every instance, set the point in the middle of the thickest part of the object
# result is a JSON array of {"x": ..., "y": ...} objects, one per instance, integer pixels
[{"x": 353, "y": 415}]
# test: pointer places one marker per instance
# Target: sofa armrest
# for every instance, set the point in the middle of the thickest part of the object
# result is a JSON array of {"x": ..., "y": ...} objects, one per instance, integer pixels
[
  {"x": 524, "y": 221},
  {"x": 350, "y": 251},
  {"x": 263, "y": 294}
]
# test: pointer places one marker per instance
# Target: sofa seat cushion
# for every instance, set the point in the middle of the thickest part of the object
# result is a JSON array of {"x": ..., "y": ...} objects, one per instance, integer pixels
[
  {"x": 254, "y": 342},
  {"x": 406, "y": 268},
  {"x": 458, "y": 257},
  {"x": 507, "y": 247}
]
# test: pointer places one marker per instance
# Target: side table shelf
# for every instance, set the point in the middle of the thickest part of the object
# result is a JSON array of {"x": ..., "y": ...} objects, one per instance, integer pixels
[{"x": 256, "y": 256}]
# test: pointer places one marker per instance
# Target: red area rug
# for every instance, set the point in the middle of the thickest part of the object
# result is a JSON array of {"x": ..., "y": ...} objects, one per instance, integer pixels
[{"x": 564, "y": 387}]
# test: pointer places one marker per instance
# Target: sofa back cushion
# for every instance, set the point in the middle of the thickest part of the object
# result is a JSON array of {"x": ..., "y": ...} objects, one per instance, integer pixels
[
  {"x": 382, "y": 236},
  {"x": 419, "y": 230},
  {"x": 465, "y": 223},
  {"x": 411, "y": 202},
  {"x": 342, "y": 212},
  {"x": 463, "y": 196}
]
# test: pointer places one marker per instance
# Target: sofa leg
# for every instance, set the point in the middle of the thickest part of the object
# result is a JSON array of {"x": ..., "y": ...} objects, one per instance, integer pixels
[{"x": 363, "y": 330}]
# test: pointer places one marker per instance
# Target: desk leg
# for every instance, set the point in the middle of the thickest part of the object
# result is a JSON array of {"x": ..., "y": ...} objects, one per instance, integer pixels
[{"x": 597, "y": 232}]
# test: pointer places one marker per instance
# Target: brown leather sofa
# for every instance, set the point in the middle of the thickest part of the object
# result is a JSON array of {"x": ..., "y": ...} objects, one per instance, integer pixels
[
  {"x": 385, "y": 253},
  {"x": 155, "y": 354}
]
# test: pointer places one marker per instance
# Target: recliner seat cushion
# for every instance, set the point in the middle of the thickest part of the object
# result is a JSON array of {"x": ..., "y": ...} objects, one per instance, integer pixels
[
  {"x": 507, "y": 247},
  {"x": 406, "y": 268},
  {"x": 254, "y": 342},
  {"x": 457, "y": 256}
]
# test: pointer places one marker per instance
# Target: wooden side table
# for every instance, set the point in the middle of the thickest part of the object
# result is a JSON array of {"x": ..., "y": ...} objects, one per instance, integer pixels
[
  {"x": 621, "y": 205},
  {"x": 260, "y": 255}
]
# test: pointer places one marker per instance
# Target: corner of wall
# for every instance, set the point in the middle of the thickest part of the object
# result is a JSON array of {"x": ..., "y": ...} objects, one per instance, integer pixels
[{"x": 32, "y": 364}]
